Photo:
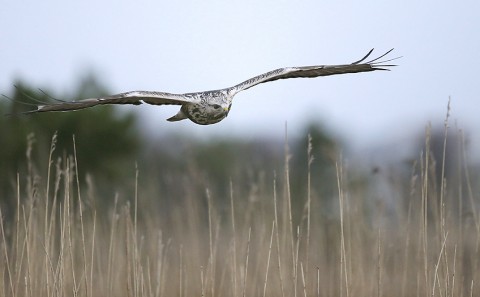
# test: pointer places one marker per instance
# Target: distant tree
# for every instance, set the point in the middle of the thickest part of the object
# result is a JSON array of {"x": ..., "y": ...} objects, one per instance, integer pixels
[
  {"x": 446, "y": 156},
  {"x": 106, "y": 141},
  {"x": 324, "y": 151}
]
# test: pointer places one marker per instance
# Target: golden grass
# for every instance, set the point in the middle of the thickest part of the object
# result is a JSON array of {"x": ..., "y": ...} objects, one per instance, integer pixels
[{"x": 243, "y": 245}]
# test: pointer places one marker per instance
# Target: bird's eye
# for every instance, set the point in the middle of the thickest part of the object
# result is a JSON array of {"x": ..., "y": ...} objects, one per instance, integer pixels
[{"x": 216, "y": 106}]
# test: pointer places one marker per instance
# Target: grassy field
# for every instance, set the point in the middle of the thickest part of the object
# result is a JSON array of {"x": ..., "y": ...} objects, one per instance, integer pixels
[{"x": 247, "y": 243}]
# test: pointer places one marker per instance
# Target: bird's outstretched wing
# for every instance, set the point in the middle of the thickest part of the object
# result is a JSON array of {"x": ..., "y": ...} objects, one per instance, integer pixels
[
  {"x": 134, "y": 98},
  {"x": 320, "y": 70}
]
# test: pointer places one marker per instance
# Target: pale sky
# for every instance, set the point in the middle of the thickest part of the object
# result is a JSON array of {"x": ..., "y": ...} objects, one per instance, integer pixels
[{"x": 187, "y": 46}]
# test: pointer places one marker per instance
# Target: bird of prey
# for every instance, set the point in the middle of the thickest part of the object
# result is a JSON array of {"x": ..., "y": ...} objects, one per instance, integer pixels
[{"x": 210, "y": 107}]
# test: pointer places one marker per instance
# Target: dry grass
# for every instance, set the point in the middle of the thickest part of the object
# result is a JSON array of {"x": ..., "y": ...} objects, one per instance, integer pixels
[{"x": 59, "y": 245}]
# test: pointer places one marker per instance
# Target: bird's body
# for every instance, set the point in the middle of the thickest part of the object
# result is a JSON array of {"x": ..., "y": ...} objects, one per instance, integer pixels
[
  {"x": 207, "y": 108},
  {"x": 210, "y": 107}
]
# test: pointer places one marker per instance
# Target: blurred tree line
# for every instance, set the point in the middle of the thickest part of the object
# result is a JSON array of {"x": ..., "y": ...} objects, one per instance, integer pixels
[
  {"x": 104, "y": 140},
  {"x": 109, "y": 144}
]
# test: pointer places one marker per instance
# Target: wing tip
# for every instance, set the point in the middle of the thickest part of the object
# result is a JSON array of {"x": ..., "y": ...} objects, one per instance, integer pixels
[
  {"x": 378, "y": 64},
  {"x": 365, "y": 57},
  {"x": 376, "y": 60}
]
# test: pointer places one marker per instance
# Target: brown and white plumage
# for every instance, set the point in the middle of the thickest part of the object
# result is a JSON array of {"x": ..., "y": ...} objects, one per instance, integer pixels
[{"x": 210, "y": 107}]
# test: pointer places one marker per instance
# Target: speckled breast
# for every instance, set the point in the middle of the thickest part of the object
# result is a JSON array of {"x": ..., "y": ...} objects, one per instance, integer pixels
[{"x": 203, "y": 114}]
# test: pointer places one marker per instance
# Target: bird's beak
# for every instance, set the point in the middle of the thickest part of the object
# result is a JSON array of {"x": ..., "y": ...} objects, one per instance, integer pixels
[{"x": 227, "y": 110}]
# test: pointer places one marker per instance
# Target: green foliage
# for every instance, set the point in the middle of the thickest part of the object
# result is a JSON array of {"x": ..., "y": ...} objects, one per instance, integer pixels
[
  {"x": 319, "y": 148},
  {"x": 106, "y": 142}
]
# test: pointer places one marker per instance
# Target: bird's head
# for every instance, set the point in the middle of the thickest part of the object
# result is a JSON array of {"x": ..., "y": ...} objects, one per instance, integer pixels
[
  {"x": 218, "y": 111},
  {"x": 220, "y": 103},
  {"x": 222, "y": 108}
]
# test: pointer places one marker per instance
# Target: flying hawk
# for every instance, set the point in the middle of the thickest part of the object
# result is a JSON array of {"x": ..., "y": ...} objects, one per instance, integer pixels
[{"x": 210, "y": 107}]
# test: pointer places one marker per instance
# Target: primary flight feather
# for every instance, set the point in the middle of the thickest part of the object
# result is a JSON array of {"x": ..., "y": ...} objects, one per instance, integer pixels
[{"x": 211, "y": 107}]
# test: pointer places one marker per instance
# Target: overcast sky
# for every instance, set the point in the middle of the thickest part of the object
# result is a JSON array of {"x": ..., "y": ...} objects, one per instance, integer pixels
[{"x": 186, "y": 46}]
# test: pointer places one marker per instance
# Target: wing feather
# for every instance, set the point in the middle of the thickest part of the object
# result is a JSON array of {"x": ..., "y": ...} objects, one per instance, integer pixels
[
  {"x": 134, "y": 98},
  {"x": 162, "y": 98},
  {"x": 316, "y": 71}
]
